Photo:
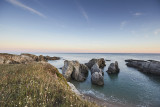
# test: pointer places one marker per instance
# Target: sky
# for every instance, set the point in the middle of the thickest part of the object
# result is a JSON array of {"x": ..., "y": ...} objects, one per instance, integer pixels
[{"x": 80, "y": 26}]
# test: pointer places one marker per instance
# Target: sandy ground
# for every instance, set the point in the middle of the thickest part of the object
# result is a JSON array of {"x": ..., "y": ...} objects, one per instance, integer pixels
[{"x": 102, "y": 102}]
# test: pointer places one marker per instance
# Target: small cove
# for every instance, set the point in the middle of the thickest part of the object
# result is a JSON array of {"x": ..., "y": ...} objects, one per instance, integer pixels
[{"x": 129, "y": 87}]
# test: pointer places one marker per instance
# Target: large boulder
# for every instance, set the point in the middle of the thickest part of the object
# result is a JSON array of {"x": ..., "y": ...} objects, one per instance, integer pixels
[
  {"x": 74, "y": 70},
  {"x": 67, "y": 69},
  {"x": 150, "y": 66},
  {"x": 100, "y": 62},
  {"x": 113, "y": 68},
  {"x": 97, "y": 75},
  {"x": 97, "y": 78},
  {"x": 95, "y": 68}
]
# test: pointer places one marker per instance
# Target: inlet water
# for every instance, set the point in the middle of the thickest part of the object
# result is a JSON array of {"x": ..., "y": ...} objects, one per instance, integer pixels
[{"x": 129, "y": 87}]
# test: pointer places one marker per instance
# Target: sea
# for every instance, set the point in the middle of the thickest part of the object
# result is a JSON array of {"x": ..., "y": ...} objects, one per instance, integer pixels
[{"x": 129, "y": 87}]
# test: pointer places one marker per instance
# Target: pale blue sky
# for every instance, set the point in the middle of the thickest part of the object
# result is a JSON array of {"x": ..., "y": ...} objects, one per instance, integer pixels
[{"x": 80, "y": 26}]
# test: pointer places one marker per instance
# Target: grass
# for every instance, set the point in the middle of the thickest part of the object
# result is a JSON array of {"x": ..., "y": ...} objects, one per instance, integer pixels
[{"x": 36, "y": 85}]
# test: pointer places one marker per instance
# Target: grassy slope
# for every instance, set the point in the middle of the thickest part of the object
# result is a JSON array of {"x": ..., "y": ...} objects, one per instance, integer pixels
[{"x": 36, "y": 85}]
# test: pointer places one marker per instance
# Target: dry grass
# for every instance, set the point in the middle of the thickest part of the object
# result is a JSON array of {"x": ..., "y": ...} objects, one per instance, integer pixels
[{"x": 34, "y": 85}]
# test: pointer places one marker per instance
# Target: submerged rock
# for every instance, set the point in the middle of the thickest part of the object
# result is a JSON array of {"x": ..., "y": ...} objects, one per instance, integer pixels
[
  {"x": 97, "y": 78},
  {"x": 150, "y": 66},
  {"x": 74, "y": 70},
  {"x": 100, "y": 62},
  {"x": 113, "y": 68}
]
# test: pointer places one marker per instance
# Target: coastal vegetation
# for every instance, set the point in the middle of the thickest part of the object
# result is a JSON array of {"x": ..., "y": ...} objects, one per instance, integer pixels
[{"x": 36, "y": 84}]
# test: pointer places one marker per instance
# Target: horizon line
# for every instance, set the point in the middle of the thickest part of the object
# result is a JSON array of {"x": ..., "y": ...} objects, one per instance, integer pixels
[{"x": 80, "y": 52}]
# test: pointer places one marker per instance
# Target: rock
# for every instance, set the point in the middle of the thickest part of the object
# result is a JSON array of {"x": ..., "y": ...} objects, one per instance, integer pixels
[
  {"x": 6, "y": 58},
  {"x": 95, "y": 68},
  {"x": 113, "y": 68},
  {"x": 14, "y": 59},
  {"x": 34, "y": 57},
  {"x": 61, "y": 68},
  {"x": 1, "y": 60},
  {"x": 100, "y": 62},
  {"x": 150, "y": 66},
  {"x": 108, "y": 60},
  {"x": 97, "y": 78},
  {"x": 73, "y": 88},
  {"x": 81, "y": 73},
  {"x": 97, "y": 75},
  {"x": 74, "y": 70},
  {"x": 40, "y": 57},
  {"x": 67, "y": 69}
]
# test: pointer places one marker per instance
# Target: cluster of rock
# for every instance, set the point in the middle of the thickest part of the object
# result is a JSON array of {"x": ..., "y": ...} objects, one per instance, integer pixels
[
  {"x": 97, "y": 75},
  {"x": 149, "y": 66},
  {"x": 23, "y": 58},
  {"x": 74, "y": 70},
  {"x": 100, "y": 62},
  {"x": 79, "y": 72},
  {"x": 40, "y": 57},
  {"x": 113, "y": 68},
  {"x": 96, "y": 66}
]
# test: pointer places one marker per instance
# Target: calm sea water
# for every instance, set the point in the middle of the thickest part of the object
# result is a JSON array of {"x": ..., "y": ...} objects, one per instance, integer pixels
[{"x": 129, "y": 87}]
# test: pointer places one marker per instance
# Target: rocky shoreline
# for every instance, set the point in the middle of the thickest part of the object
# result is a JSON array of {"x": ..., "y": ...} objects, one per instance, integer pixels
[
  {"x": 149, "y": 66},
  {"x": 23, "y": 58},
  {"x": 79, "y": 72},
  {"x": 94, "y": 99}
]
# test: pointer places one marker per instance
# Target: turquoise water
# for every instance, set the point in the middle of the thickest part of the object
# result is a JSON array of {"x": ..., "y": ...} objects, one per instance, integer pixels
[{"x": 129, "y": 87}]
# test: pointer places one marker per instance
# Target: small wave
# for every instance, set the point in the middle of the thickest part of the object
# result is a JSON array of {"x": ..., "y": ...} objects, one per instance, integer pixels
[{"x": 99, "y": 95}]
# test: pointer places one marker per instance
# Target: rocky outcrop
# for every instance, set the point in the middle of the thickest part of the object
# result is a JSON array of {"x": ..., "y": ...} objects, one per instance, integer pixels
[
  {"x": 23, "y": 58},
  {"x": 150, "y": 66},
  {"x": 40, "y": 57},
  {"x": 14, "y": 59},
  {"x": 100, "y": 62},
  {"x": 95, "y": 68},
  {"x": 113, "y": 68},
  {"x": 97, "y": 78},
  {"x": 97, "y": 75},
  {"x": 74, "y": 70}
]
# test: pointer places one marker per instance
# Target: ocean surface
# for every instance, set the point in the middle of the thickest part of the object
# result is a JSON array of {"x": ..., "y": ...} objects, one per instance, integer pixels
[{"x": 129, "y": 87}]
